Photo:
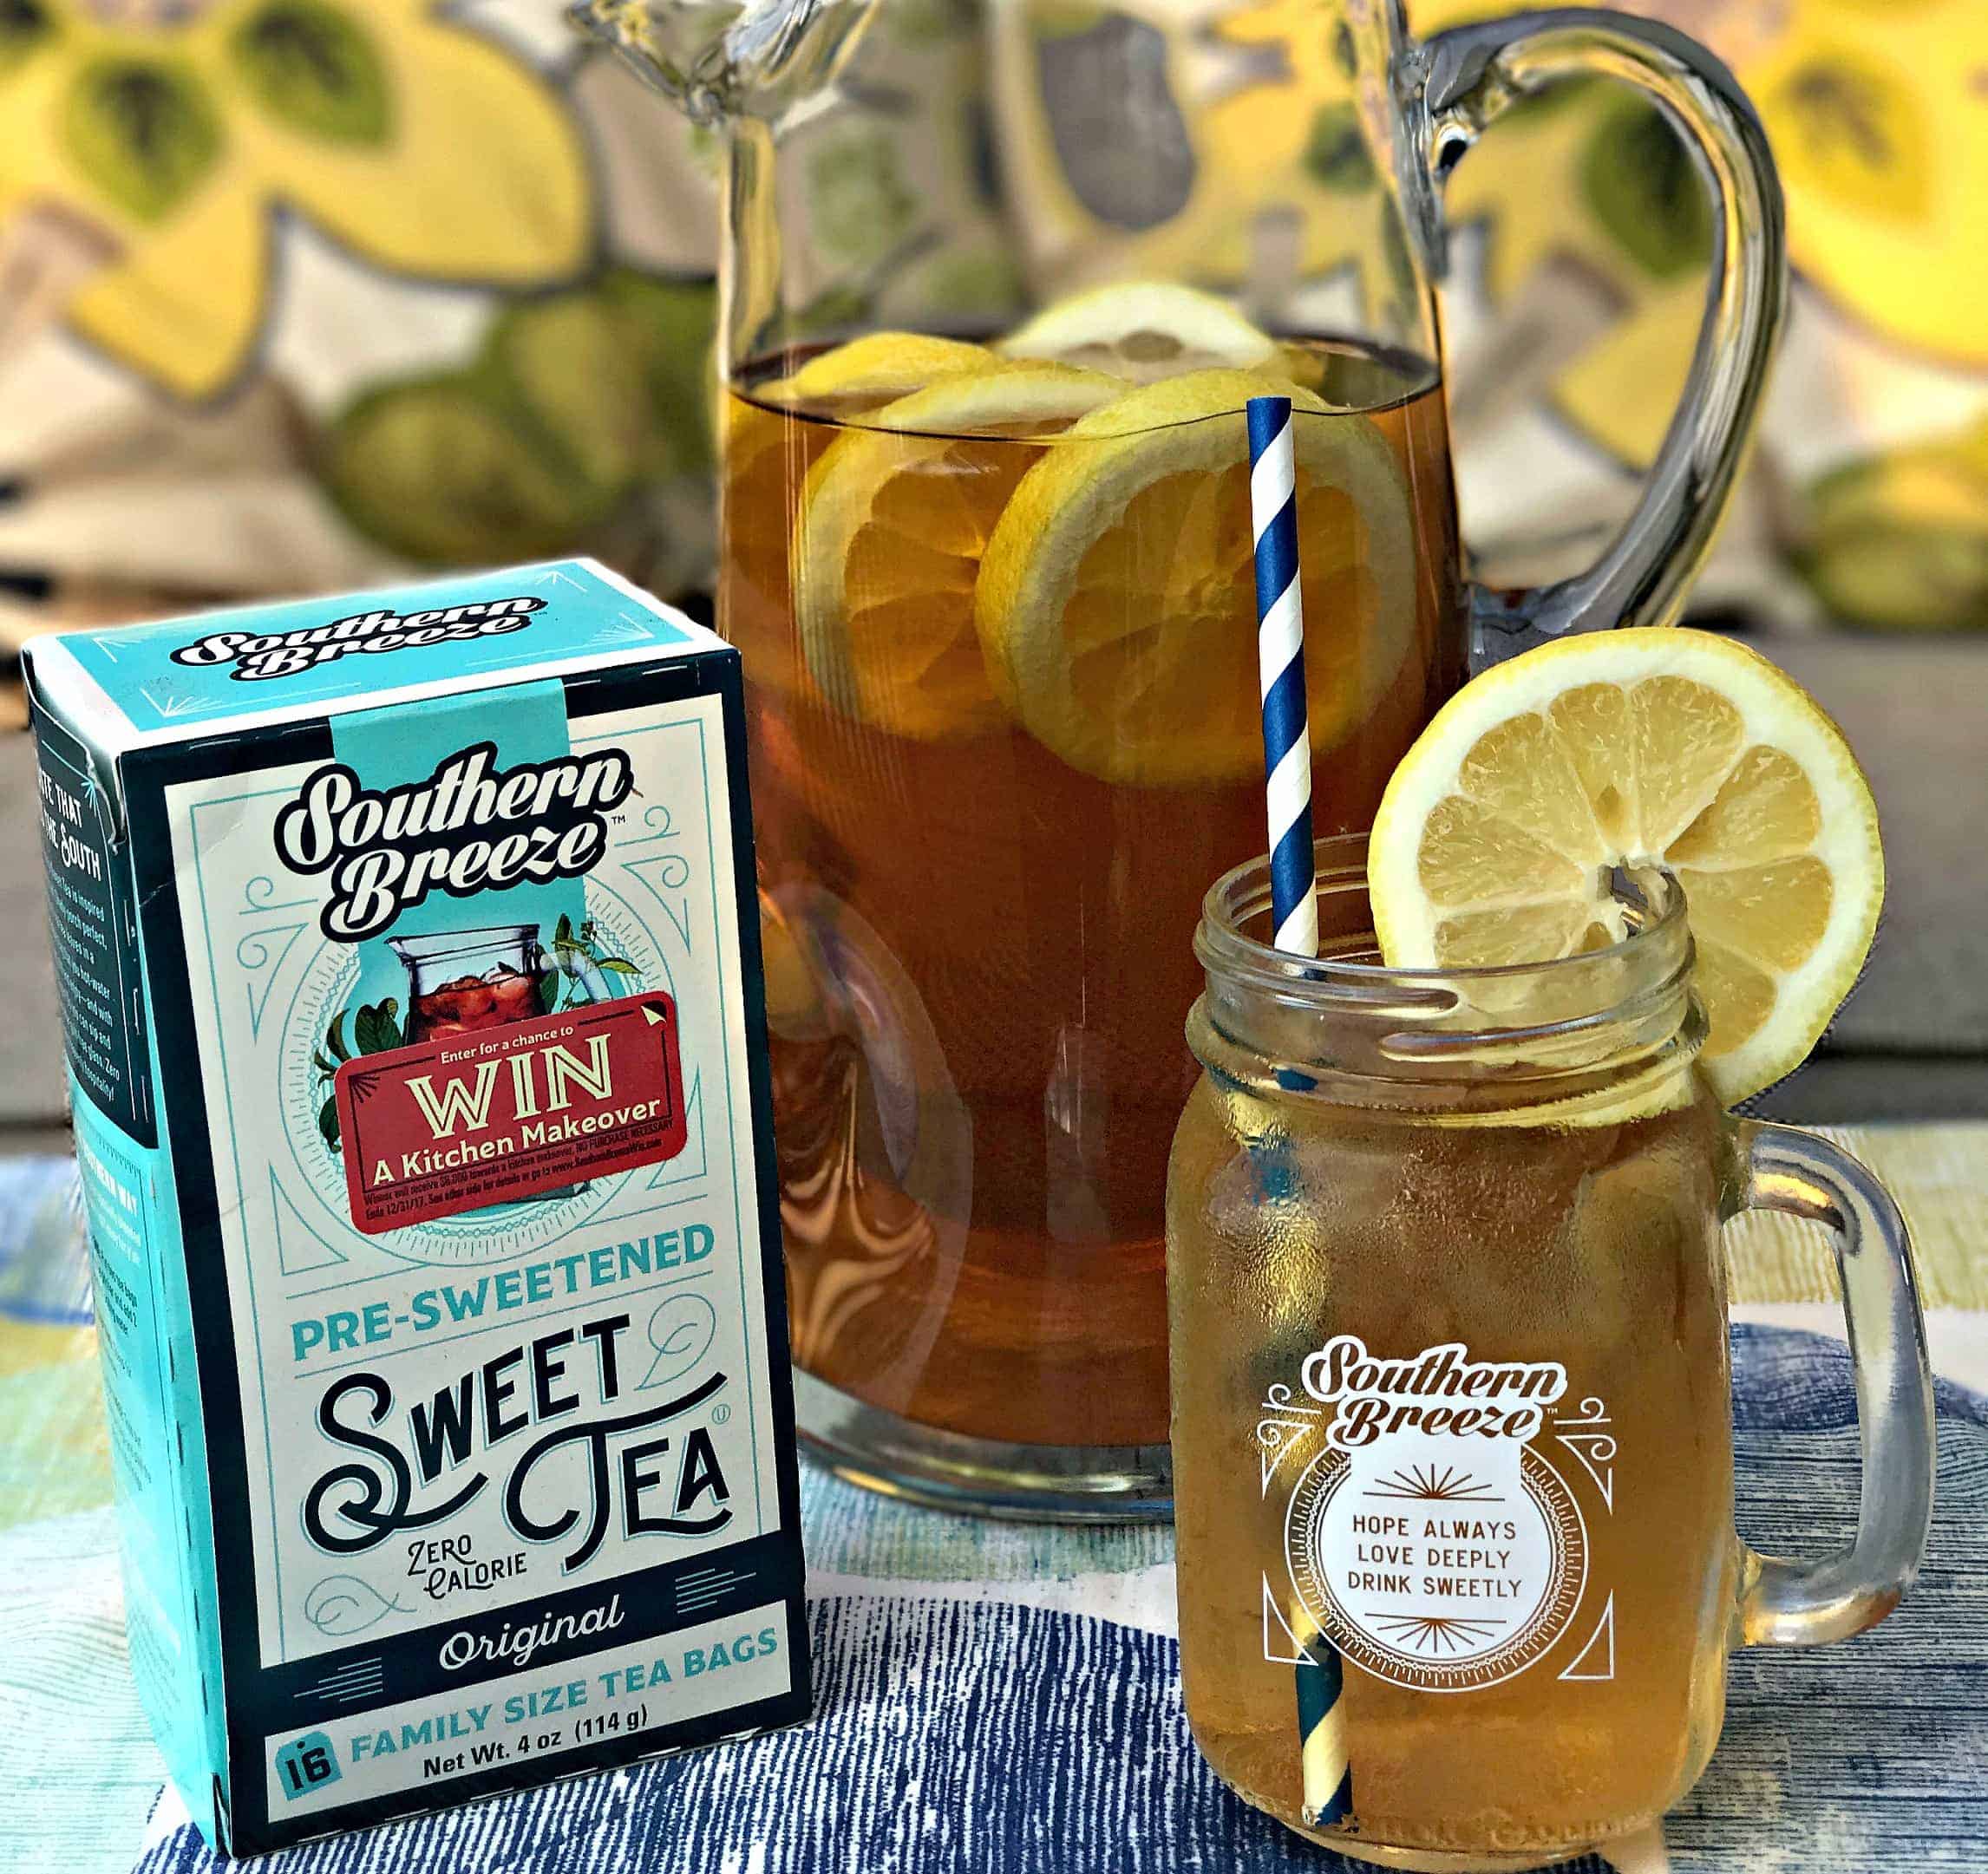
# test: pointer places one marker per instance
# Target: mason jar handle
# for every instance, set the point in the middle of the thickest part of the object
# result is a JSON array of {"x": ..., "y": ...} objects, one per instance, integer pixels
[
  {"x": 1804, "y": 1603},
  {"x": 1467, "y": 77}
]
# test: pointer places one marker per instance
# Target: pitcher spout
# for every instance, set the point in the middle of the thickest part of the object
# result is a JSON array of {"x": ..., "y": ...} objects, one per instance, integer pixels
[{"x": 720, "y": 60}]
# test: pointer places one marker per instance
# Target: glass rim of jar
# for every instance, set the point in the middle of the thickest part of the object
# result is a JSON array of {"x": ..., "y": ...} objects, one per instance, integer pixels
[{"x": 1623, "y": 1008}]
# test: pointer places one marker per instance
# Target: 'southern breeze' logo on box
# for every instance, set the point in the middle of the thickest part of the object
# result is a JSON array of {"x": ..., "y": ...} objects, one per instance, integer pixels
[
  {"x": 260, "y": 656},
  {"x": 470, "y": 826}
]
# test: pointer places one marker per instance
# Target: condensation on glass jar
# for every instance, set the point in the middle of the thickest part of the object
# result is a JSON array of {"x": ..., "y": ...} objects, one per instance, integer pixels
[{"x": 1451, "y": 1422}]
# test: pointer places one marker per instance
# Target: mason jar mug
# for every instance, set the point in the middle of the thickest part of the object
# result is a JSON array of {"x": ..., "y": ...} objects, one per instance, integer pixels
[{"x": 1451, "y": 1416}]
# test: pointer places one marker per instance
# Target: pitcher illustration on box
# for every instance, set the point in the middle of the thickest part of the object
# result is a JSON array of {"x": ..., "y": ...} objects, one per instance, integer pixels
[
  {"x": 460, "y": 981},
  {"x": 997, "y": 282}
]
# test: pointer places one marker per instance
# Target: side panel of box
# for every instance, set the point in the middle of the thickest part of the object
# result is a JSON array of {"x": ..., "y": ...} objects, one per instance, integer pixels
[{"x": 144, "y": 1332}]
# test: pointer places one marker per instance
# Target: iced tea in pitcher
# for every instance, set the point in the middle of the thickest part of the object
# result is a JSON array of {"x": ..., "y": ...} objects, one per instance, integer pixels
[{"x": 997, "y": 612}]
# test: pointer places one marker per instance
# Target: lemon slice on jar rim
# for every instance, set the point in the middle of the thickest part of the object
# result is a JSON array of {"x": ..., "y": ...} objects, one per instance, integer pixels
[
  {"x": 887, "y": 543},
  {"x": 1498, "y": 836},
  {"x": 1115, "y": 600}
]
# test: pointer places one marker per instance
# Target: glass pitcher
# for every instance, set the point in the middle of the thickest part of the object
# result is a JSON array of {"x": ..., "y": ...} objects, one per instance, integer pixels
[{"x": 998, "y": 277}]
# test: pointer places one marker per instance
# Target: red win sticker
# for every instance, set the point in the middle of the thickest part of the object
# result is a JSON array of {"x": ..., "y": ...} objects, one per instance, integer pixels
[{"x": 494, "y": 1115}]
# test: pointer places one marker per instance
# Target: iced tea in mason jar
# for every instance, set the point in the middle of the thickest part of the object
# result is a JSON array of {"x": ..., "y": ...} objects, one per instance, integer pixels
[{"x": 1451, "y": 1420}]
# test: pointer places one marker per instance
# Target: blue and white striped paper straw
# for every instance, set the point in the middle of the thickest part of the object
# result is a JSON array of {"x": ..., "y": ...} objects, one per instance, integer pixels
[
  {"x": 1280, "y": 654},
  {"x": 1328, "y": 1776},
  {"x": 1321, "y": 1735}
]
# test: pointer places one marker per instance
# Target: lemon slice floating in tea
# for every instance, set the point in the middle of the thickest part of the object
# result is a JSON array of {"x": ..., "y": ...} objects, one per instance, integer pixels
[
  {"x": 1657, "y": 746},
  {"x": 768, "y": 453},
  {"x": 874, "y": 370},
  {"x": 1142, "y": 331},
  {"x": 886, "y": 548},
  {"x": 1116, "y": 601}
]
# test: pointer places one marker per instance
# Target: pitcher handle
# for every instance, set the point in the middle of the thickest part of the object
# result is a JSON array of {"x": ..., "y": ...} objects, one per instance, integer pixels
[
  {"x": 1804, "y": 1603},
  {"x": 1467, "y": 77}
]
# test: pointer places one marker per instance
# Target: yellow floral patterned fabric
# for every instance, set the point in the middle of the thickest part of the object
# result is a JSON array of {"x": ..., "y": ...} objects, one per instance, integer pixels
[
  {"x": 1878, "y": 113},
  {"x": 174, "y": 134}
]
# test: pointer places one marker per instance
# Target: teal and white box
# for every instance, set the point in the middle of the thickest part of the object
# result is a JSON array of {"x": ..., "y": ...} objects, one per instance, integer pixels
[{"x": 408, "y": 956}]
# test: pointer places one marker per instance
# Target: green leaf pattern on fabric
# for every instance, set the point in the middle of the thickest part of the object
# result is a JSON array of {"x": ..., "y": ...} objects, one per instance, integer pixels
[
  {"x": 668, "y": 325},
  {"x": 1899, "y": 541},
  {"x": 25, "y": 27},
  {"x": 571, "y": 365},
  {"x": 143, "y": 131},
  {"x": 1066, "y": 19},
  {"x": 315, "y": 70},
  {"x": 1345, "y": 53},
  {"x": 835, "y": 310},
  {"x": 1639, "y": 180},
  {"x": 437, "y": 469},
  {"x": 576, "y": 402},
  {"x": 1336, "y": 153},
  {"x": 1852, "y": 130},
  {"x": 860, "y": 209}
]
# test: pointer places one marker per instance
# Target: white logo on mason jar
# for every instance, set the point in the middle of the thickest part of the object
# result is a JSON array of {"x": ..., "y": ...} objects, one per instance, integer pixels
[{"x": 1426, "y": 1534}]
